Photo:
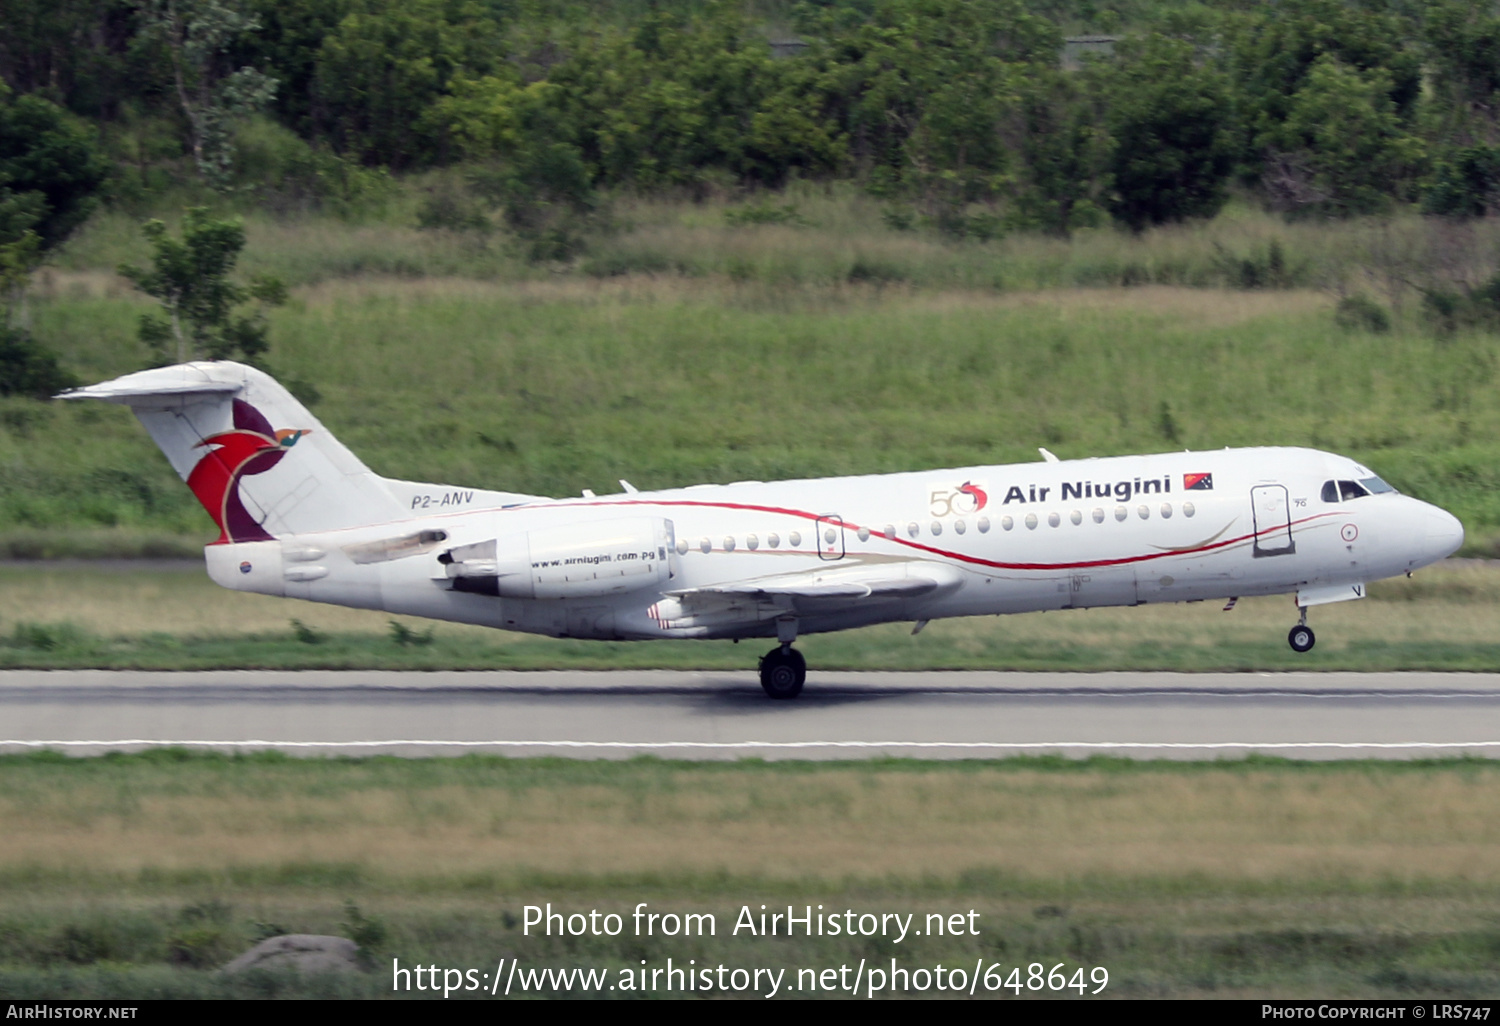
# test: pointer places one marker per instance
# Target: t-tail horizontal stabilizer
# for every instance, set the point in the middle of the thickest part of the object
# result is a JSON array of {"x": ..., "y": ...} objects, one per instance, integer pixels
[{"x": 258, "y": 461}]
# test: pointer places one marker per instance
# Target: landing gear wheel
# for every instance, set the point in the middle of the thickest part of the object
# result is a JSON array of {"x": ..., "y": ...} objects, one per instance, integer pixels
[
  {"x": 1301, "y": 638},
  {"x": 782, "y": 672}
]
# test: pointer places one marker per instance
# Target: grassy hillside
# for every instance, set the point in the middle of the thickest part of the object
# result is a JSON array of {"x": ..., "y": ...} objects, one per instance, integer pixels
[{"x": 712, "y": 351}]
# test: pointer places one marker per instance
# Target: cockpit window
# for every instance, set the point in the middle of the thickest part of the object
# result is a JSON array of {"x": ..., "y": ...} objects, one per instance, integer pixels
[{"x": 1343, "y": 491}]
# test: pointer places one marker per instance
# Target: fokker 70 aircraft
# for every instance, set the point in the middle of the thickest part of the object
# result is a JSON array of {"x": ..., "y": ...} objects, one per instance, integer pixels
[{"x": 299, "y": 516}]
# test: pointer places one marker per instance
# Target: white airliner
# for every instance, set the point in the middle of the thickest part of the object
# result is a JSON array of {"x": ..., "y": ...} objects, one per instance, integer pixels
[{"x": 299, "y": 516}]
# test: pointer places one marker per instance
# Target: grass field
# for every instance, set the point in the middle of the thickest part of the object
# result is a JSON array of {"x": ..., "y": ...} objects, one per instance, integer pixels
[
  {"x": 134, "y": 875},
  {"x": 172, "y": 617}
]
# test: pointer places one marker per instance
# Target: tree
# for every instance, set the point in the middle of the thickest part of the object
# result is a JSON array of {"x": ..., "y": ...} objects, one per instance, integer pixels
[
  {"x": 921, "y": 90},
  {"x": 46, "y": 155},
  {"x": 1346, "y": 149},
  {"x": 382, "y": 71},
  {"x": 1465, "y": 182},
  {"x": 200, "y": 36},
  {"x": 76, "y": 52},
  {"x": 191, "y": 278},
  {"x": 1463, "y": 57},
  {"x": 1171, "y": 122},
  {"x": 29, "y": 369},
  {"x": 1066, "y": 147},
  {"x": 1271, "y": 52},
  {"x": 49, "y": 174}
]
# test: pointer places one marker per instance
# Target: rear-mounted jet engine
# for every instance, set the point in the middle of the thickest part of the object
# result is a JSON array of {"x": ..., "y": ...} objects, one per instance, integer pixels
[{"x": 571, "y": 561}]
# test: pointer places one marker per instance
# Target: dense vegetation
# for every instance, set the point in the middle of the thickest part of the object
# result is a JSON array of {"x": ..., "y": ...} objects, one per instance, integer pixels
[{"x": 1318, "y": 106}]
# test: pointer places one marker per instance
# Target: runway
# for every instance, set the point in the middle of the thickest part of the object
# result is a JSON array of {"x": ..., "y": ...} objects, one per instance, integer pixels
[{"x": 723, "y": 715}]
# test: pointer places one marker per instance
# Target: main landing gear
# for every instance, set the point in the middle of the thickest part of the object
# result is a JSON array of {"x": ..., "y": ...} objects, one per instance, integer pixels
[
  {"x": 783, "y": 670},
  {"x": 1301, "y": 637}
]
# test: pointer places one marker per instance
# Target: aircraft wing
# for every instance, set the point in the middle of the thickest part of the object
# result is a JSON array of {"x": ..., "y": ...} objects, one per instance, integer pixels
[{"x": 845, "y": 584}]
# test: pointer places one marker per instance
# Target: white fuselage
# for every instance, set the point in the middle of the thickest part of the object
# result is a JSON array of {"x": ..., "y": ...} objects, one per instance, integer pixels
[{"x": 992, "y": 539}]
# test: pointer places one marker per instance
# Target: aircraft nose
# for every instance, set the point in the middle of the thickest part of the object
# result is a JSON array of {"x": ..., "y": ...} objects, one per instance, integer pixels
[{"x": 1444, "y": 533}]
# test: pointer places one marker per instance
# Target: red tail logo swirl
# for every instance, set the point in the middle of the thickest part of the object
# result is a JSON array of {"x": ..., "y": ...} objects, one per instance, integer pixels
[{"x": 252, "y": 447}]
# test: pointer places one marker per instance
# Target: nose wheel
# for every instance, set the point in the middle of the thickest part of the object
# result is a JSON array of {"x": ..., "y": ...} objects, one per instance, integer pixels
[
  {"x": 1301, "y": 637},
  {"x": 783, "y": 671}
]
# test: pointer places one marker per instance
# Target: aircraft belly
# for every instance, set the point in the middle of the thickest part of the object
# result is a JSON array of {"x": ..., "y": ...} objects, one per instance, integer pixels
[{"x": 1102, "y": 586}]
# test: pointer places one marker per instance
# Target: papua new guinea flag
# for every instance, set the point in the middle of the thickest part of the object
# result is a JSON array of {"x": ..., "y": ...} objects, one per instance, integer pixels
[{"x": 1198, "y": 482}]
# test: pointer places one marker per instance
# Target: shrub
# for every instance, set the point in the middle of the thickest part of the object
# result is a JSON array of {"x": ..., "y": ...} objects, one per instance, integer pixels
[
  {"x": 307, "y": 635},
  {"x": 765, "y": 213},
  {"x": 29, "y": 369},
  {"x": 406, "y": 637},
  {"x": 1361, "y": 313}
]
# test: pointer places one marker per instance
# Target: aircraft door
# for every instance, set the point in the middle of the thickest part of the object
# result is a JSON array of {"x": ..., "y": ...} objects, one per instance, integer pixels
[
  {"x": 1272, "y": 516},
  {"x": 828, "y": 535}
]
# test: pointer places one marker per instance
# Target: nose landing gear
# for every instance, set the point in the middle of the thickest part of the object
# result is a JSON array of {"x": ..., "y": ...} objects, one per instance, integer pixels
[{"x": 1301, "y": 637}]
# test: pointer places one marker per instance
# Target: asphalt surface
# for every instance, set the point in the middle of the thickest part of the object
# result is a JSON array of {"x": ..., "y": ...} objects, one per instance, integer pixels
[{"x": 723, "y": 715}]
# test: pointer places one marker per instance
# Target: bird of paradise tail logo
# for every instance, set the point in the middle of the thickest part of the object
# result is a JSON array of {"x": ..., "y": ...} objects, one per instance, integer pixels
[{"x": 252, "y": 447}]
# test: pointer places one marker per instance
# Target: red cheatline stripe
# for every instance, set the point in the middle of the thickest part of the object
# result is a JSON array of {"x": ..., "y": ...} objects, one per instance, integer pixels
[{"x": 960, "y": 557}]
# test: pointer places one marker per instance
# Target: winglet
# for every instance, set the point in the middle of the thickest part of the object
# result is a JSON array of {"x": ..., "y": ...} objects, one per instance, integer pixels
[{"x": 1048, "y": 456}]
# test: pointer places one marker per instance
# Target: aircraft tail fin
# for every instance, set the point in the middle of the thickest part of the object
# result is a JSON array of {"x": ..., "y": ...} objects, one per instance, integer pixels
[{"x": 258, "y": 461}]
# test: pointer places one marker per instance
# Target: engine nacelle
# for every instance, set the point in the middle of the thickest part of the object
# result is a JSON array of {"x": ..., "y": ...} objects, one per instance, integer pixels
[{"x": 584, "y": 560}]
